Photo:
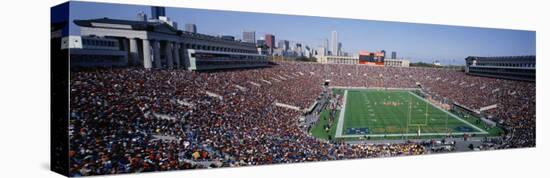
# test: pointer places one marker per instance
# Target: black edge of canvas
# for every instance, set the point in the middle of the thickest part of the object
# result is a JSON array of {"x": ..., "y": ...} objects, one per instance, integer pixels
[{"x": 59, "y": 90}]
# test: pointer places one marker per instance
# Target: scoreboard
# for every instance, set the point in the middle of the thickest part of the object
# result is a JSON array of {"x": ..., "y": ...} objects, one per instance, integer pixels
[{"x": 371, "y": 58}]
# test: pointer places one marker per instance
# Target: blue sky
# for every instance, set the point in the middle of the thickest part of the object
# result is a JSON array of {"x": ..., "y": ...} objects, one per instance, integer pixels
[{"x": 418, "y": 42}]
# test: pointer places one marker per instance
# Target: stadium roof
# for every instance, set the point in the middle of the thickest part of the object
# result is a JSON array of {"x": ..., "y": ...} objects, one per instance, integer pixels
[
  {"x": 529, "y": 57},
  {"x": 135, "y": 25},
  {"x": 153, "y": 26}
]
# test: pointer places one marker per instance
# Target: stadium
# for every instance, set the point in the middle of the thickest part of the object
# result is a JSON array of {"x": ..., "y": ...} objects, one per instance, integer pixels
[
  {"x": 145, "y": 97},
  {"x": 137, "y": 120}
]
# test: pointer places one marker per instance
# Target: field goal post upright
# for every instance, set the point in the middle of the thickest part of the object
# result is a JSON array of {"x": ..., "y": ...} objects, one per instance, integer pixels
[
  {"x": 418, "y": 125},
  {"x": 447, "y": 130},
  {"x": 409, "y": 118}
]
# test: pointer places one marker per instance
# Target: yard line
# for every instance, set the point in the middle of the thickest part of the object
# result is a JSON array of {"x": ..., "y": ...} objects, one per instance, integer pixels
[
  {"x": 460, "y": 119},
  {"x": 340, "y": 125}
]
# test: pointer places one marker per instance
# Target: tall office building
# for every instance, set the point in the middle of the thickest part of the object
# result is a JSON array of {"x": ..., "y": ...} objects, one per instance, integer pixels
[
  {"x": 325, "y": 46},
  {"x": 156, "y": 12},
  {"x": 321, "y": 51},
  {"x": 287, "y": 45},
  {"x": 284, "y": 44},
  {"x": 298, "y": 49},
  {"x": 394, "y": 55},
  {"x": 384, "y": 54},
  {"x": 334, "y": 51},
  {"x": 249, "y": 36},
  {"x": 270, "y": 40},
  {"x": 190, "y": 27},
  {"x": 339, "y": 52}
]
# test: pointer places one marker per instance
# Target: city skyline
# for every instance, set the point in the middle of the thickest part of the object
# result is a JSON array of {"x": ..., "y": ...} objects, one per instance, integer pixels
[{"x": 416, "y": 42}]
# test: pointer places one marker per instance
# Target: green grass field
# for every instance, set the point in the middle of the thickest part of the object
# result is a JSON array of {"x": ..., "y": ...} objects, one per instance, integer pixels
[
  {"x": 396, "y": 112},
  {"x": 318, "y": 129},
  {"x": 393, "y": 113}
]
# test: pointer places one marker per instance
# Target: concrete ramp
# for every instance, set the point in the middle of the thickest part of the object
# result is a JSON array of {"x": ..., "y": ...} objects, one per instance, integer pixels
[
  {"x": 213, "y": 95},
  {"x": 287, "y": 106}
]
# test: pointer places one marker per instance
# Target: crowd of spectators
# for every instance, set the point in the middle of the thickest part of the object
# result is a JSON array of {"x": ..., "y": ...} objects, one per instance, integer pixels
[{"x": 137, "y": 120}]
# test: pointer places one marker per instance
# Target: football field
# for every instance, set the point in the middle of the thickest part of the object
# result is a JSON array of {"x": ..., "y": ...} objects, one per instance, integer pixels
[{"x": 383, "y": 113}]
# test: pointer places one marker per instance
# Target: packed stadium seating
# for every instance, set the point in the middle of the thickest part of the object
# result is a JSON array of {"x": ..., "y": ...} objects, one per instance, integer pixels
[{"x": 137, "y": 120}]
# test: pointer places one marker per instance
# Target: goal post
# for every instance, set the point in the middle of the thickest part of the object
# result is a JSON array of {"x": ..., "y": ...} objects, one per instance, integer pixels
[{"x": 410, "y": 123}]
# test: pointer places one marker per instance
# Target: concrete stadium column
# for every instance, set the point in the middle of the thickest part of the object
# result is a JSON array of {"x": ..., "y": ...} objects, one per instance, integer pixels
[
  {"x": 177, "y": 54},
  {"x": 169, "y": 53},
  {"x": 124, "y": 46},
  {"x": 183, "y": 55},
  {"x": 156, "y": 54},
  {"x": 147, "y": 63},
  {"x": 133, "y": 50}
]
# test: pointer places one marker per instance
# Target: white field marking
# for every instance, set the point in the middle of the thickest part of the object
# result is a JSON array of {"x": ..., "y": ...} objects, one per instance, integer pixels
[
  {"x": 373, "y": 88},
  {"x": 340, "y": 125},
  {"x": 410, "y": 134},
  {"x": 456, "y": 117}
]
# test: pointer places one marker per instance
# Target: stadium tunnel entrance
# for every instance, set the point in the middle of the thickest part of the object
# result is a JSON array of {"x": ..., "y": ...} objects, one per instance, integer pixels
[{"x": 326, "y": 83}]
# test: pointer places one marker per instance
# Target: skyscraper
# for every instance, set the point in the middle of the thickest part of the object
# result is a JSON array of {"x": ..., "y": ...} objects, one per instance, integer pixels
[
  {"x": 394, "y": 55},
  {"x": 384, "y": 54},
  {"x": 270, "y": 40},
  {"x": 190, "y": 27},
  {"x": 325, "y": 47},
  {"x": 298, "y": 49},
  {"x": 321, "y": 51},
  {"x": 339, "y": 52},
  {"x": 284, "y": 44},
  {"x": 156, "y": 12},
  {"x": 249, "y": 36},
  {"x": 335, "y": 51}
]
